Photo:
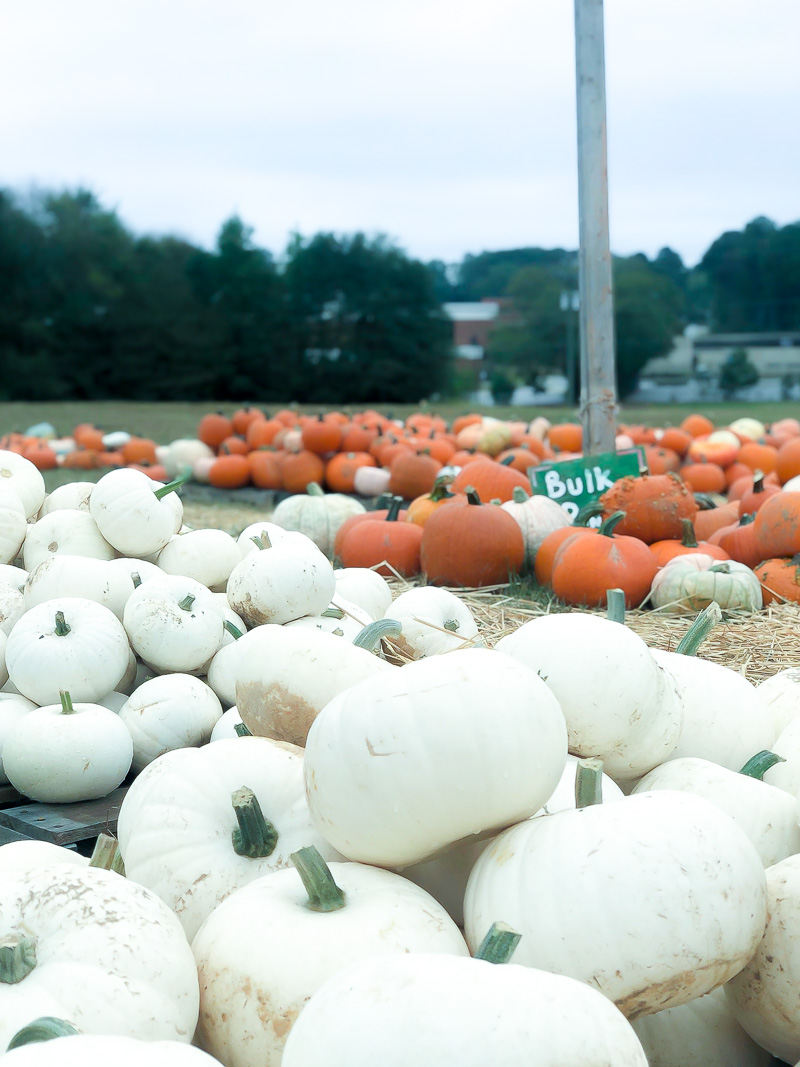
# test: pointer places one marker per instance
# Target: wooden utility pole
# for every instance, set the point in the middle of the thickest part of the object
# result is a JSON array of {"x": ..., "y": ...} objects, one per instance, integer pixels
[{"x": 597, "y": 358}]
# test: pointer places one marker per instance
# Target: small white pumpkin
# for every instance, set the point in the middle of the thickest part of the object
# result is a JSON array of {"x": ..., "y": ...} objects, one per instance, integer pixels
[
  {"x": 364, "y": 587},
  {"x": 281, "y": 582},
  {"x": 13, "y": 525},
  {"x": 536, "y": 516},
  {"x": 73, "y": 496},
  {"x": 168, "y": 712},
  {"x": 694, "y": 580},
  {"x": 433, "y": 621},
  {"x": 98, "y": 1050},
  {"x": 134, "y": 513},
  {"x": 74, "y": 533},
  {"x": 779, "y": 696},
  {"x": 208, "y": 556},
  {"x": 25, "y": 479},
  {"x": 78, "y": 576},
  {"x": 317, "y": 514},
  {"x": 174, "y": 623},
  {"x": 12, "y": 707}
]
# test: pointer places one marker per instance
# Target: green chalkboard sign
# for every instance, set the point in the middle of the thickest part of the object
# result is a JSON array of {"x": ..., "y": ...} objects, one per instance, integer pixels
[{"x": 575, "y": 482}]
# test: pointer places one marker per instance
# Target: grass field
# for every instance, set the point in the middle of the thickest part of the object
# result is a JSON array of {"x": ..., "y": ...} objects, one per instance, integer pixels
[{"x": 165, "y": 422}]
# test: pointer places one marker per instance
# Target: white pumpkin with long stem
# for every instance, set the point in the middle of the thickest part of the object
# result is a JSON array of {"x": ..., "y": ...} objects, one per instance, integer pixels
[
  {"x": 680, "y": 888},
  {"x": 78, "y": 576},
  {"x": 281, "y": 582},
  {"x": 67, "y": 643},
  {"x": 619, "y": 704},
  {"x": 768, "y": 815},
  {"x": 317, "y": 514},
  {"x": 135, "y": 513},
  {"x": 168, "y": 712},
  {"x": 286, "y": 675},
  {"x": 174, "y": 623},
  {"x": 84, "y": 944},
  {"x": 13, "y": 525},
  {"x": 208, "y": 556},
  {"x": 198, "y": 823},
  {"x": 74, "y": 533},
  {"x": 25, "y": 479},
  {"x": 65, "y": 752},
  {"x": 436, "y": 766},
  {"x": 323, "y": 918},
  {"x": 433, "y": 621},
  {"x": 536, "y": 516},
  {"x": 458, "y": 1011},
  {"x": 763, "y": 995}
]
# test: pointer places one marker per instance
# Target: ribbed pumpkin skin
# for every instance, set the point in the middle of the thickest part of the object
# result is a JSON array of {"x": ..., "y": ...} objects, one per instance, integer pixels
[
  {"x": 654, "y": 505},
  {"x": 490, "y": 480},
  {"x": 371, "y": 541},
  {"x": 780, "y": 580},
  {"x": 587, "y": 567},
  {"x": 471, "y": 545}
]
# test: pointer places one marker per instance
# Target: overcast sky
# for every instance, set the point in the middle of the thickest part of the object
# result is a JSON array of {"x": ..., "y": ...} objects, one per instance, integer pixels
[{"x": 447, "y": 124}]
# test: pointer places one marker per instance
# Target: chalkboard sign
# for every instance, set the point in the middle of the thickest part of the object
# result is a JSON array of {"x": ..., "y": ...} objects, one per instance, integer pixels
[{"x": 575, "y": 482}]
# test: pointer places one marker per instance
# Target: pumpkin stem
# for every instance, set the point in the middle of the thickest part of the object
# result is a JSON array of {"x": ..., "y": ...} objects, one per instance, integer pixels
[
  {"x": 323, "y": 893},
  {"x": 371, "y": 636},
  {"x": 758, "y": 482},
  {"x": 62, "y": 626},
  {"x": 186, "y": 603},
  {"x": 471, "y": 494},
  {"x": 615, "y": 605},
  {"x": 43, "y": 1029},
  {"x": 17, "y": 958},
  {"x": 588, "y": 782},
  {"x": 699, "y": 630},
  {"x": 315, "y": 489},
  {"x": 136, "y": 578},
  {"x": 394, "y": 509},
  {"x": 256, "y": 836},
  {"x": 106, "y": 854},
  {"x": 507, "y": 461},
  {"x": 176, "y": 483},
  {"x": 332, "y": 613},
  {"x": 720, "y": 568},
  {"x": 241, "y": 730},
  {"x": 232, "y": 629},
  {"x": 262, "y": 541},
  {"x": 66, "y": 703},
  {"x": 689, "y": 539},
  {"x": 441, "y": 490},
  {"x": 758, "y": 765},
  {"x": 590, "y": 510},
  {"x": 610, "y": 524},
  {"x": 518, "y": 495},
  {"x": 499, "y": 944}
]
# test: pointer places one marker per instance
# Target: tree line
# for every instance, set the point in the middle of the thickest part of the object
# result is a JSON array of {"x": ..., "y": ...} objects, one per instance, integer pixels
[{"x": 91, "y": 310}]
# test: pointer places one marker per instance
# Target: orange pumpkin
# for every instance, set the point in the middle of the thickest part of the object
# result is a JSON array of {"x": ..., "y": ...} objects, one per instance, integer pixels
[
  {"x": 757, "y": 494},
  {"x": 565, "y": 437},
  {"x": 300, "y": 469},
  {"x": 388, "y": 541},
  {"x": 422, "y": 507},
  {"x": 545, "y": 556},
  {"x": 412, "y": 474},
  {"x": 213, "y": 429},
  {"x": 491, "y": 480},
  {"x": 664, "y": 551},
  {"x": 661, "y": 460},
  {"x": 322, "y": 435},
  {"x": 654, "y": 505},
  {"x": 585, "y": 568},
  {"x": 741, "y": 542},
  {"x": 758, "y": 457},
  {"x": 470, "y": 544},
  {"x": 697, "y": 425},
  {"x": 777, "y": 525},
  {"x": 243, "y": 416},
  {"x": 780, "y": 579},
  {"x": 787, "y": 460},
  {"x": 704, "y": 477},
  {"x": 261, "y": 432},
  {"x": 265, "y": 468},
  {"x": 340, "y": 470},
  {"x": 229, "y": 472}
]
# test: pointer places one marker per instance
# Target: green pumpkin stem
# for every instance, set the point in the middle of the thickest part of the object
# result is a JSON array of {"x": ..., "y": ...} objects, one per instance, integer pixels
[
  {"x": 232, "y": 629},
  {"x": 699, "y": 630},
  {"x": 588, "y": 782},
  {"x": 518, "y": 495},
  {"x": 255, "y": 836},
  {"x": 176, "y": 483},
  {"x": 499, "y": 944},
  {"x": 136, "y": 578},
  {"x": 106, "y": 854},
  {"x": 371, "y": 636},
  {"x": 615, "y": 605},
  {"x": 332, "y": 613},
  {"x": 315, "y": 489},
  {"x": 17, "y": 958},
  {"x": 66, "y": 702},
  {"x": 758, "y": 765},
  {"x": 441, "y": 489},
  {"x": 241, "y": 730},
  {"x": 262, "y": 541},
  {"x": 689, "y": 538},
  {"x": 43, "y": 1029},
  {"x": 610, "y": 524},
  {"x": 507, "y": 461},
  {"x": 187, "y": 602},
  {"x": 758, "y": 482},
  {"x": 323, "y": 893},
  {"x": 62, "y": 626},
  {"x": 471, "y": 493},
  {"x": 590, "y": 510},
  {"x": 394, "y": 509}
]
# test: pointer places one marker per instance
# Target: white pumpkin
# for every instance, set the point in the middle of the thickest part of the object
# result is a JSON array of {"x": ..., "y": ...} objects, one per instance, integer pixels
[
  {"x": 73, "y": 496},
  {"x": 25, "y": 479},
  {"x": 13, "y": 525},
  {"x": 317, "y": 514},
  {"x": 457, "y": 1012},
  {"x": 680, "y": 887},
  {"x": 371, "y": 481},
  {"x": 135, "y": 513},
  {"x": 67, "y": 643},
  {"x": 208, "y": 556},
  {"x": 281, "y": 582},
  {"x": 262, "y": 531},
  {"x": 225, "y": 728},
  {"x": 12, "y": 707},
  {"x": 786, "y": 775},
  {"x": 30, "y": 853},
  {"x": 74, "y": 533},
  {"x": 433, "y": 620},
  {"x": 99, "y": 950},
  {"x": 78, "y": 576},
  {"x": 779, "y": 696},
  {"x": 536, "y": 516},
  {"x": 184, "y": 452},
  {"x": 65, "y": 752},
  {"x": 168, "y": 712},
  {"x": 177, "y": 822},
  {"x": 249, "y": 997},
  {"x": 174, "y": 623},
  {"x": 619, "y": 705},
  {"x": 12, "y": 600},
  {"x": 364, "y": 587},
  {"x": 98, "y": 1050},
  {"x": 435, "y": 762},
  {"x": 692, "y": 581}
]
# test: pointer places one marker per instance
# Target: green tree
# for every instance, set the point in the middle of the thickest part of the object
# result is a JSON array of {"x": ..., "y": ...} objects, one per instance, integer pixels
[
  {"x": 647, "y": 317},
  {"x": 366, "y": 323},
  {"x": 737, "y": 372}
]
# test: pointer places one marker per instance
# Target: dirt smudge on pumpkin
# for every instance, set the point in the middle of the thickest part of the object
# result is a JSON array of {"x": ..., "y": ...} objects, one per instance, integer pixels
[{"x": 273, "y": 710}]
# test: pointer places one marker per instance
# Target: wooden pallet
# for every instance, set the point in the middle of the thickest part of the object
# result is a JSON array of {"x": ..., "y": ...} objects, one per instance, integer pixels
[{"x": 64, "y": 824}]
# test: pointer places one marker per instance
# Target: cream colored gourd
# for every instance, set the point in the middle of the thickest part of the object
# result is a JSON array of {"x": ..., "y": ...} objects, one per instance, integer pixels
[
  {"x": 466, "y": 1013},
  {"x": 436, "y": 765},
  {"x": 168, "y": 712},
  {"x": 763, "y": 995},
  {"x": 371, "y": 481},
  {"x": 13, "y": 525},
  {"x": 225, "y": 728},
  {"x": 281, "y": 582},
  {"x": 74, "y": 533},
  {"x": 536, "y": 516},
  {"x": 12, "y": 707},
  {"x": 67, "y": 643},
  {"x": 12, "y": 601},
  {"x": 184, "y": 452},
  {"x": 78, "y": 576},
  {"x": 99, "y": 950},
  {"x": 64, "y": 752},
  {"x": 98, "y": 1050},
  {"x": 692, "y": 581},
  {"x": 30, "y": 853},
  {"x": 72, "y": 495},
  {"x": 287, "y": 675},
  {"x": 249, "y": 997},
  {"x": 177, "y": 822},
  {"x": 317, "y": 514},
  {"x": 132, "y": 515},
  {"x": 24, "y": 479},
  {"x": 680, "y": 887},
  {"x": 779, "y": 696},
  {"x": 260, "y": 531},
  {"x": 208, "y": 556},
  {"x": 433, "y": 621},
  {"x": 786, "y": 774},
  {"x": 619, "y": 705},
  {"x": 364, "y": 587},
  {"x": 174, "y": 623}
]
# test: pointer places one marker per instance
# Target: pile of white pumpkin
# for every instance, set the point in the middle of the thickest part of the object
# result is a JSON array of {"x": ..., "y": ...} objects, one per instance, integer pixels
[{"x": 318, "y": 892}]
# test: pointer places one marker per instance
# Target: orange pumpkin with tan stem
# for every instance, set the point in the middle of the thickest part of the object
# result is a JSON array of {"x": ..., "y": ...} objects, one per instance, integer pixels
[
  {"x": 585, "y": 568},
  {"x": 471, "y": 544},
  {"x": 654, "y": 505}
]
